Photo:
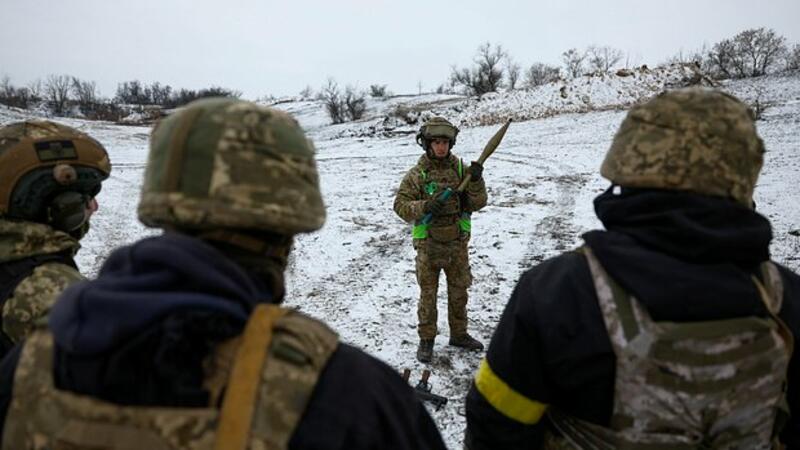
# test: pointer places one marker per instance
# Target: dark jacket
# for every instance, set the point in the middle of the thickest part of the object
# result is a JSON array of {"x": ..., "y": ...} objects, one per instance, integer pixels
[
  {"x": 685, "y": 258},
  {"x": 139, "y": 333}
]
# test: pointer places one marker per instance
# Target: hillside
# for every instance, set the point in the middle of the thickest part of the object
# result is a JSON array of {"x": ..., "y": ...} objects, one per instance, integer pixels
[{"x": 357, "y": 273}]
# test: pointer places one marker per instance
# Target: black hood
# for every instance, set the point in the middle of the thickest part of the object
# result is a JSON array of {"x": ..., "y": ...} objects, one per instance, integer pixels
[
  {"x": 671, "y": 248},
  {"x": 143, "y": 283}
]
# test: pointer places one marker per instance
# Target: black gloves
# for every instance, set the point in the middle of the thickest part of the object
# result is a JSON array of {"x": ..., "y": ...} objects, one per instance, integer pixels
[
  {"x": 475, "y": 171},
  {"x": 434, "y": 206}
]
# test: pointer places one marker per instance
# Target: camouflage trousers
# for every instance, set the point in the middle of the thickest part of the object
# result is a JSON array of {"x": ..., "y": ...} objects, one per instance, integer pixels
[{"x": 433, "y": 258}]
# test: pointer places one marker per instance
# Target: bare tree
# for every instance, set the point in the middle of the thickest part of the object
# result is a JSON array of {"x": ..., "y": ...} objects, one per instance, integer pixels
[
  {"x": 540, "y": 73},
  {"x": 793, "y": 58},
  {"x": 13, "y": 96},
  {"x": 334, "y": 104},
  {"x": 513, "y": 71},
  {"x": 762, "y": 48},
  {"x": 603, "y": 58},
  {"x": 36, "y": 89},
  {"x": 355, "y": 103},
  {"x": 56, "y": 90},
  {"x": 85, "y": 93},
  {"x": 721, "y": 58},
  {"x": 6, "y": 88},
  {"x": 487, "y": 73},
  {"x": 157, "y": 93},
  {"x": 573, "y": 62},
  {"x": 750, "y": 53},
  {"x": 132, "y": 93}
]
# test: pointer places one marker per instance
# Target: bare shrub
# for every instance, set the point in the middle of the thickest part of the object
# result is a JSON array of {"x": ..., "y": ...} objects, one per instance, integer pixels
[
  {"x": 355, "y": 104},
  {"x": 540, "y": 73},
  {"x": 377, "y": 90},
  {"x": 307, "y": 93},
  {"x": 486, "y": 75},
  {"x": 603, "y": 58},
  {"x": 334, "y": 104}
]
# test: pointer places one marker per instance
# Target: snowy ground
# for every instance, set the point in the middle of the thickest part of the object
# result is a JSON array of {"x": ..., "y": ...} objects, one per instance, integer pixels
[{"x": 357, "y": 273}]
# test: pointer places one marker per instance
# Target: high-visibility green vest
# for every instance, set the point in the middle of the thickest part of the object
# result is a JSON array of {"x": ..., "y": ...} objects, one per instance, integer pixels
[{"x": 420, "y": 230}]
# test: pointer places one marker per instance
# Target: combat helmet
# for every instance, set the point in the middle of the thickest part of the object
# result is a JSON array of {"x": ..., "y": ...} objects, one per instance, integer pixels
[
  {"x": 49, "y": 172},
  {"x": 436, "y": 127},
  {"x": 222, "y": 163},
  {"x": 694, "y": 139}
]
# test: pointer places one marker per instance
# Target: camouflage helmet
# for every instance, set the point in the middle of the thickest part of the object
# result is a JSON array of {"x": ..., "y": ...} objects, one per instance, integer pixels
[
  {"x": 227, "y": 163},
  {"x": 436, "y": 127},
  {"x": 694, "y": 139},
  {"x": 49, "y": 172}
]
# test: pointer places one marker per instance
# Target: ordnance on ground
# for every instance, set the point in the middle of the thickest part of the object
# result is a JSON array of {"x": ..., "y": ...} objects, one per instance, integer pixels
[
  {"x": 490, "y": 147},
  {"x": 423, "y": 389}
]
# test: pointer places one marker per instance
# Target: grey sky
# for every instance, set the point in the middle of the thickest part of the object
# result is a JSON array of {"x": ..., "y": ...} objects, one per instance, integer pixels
[{"x": 271, "y": 47}]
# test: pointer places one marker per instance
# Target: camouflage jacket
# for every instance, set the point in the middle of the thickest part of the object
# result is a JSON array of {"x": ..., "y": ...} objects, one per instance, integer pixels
[
  {"x": 281, "y": 381},
  {"x": 32, "y": 298},
  {"x": 431, "y": 177}
]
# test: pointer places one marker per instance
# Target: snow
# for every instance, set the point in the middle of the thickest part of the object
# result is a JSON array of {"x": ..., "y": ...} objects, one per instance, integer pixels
[{"x": 357, "y": 273}]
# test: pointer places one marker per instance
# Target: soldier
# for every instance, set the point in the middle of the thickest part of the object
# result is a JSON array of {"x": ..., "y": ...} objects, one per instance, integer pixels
[
  {"x": 441, "y": 244},
  {"x": 49, "y": 177},
  {"x": 670, "y": 329},
  {"x": 180, "y": 343}
]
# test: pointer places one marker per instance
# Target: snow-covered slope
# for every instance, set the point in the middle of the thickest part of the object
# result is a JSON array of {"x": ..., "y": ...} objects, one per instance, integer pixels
[{"x": 357, "y": 273}]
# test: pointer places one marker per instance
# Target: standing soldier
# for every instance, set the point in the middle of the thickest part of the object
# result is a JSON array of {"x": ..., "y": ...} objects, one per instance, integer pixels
[
  {"x": 180, "y": 343},
  {"x": 49, "y": 177},
  {"x": 441, "y": 244},
  {"x": 670, "y": 329}
]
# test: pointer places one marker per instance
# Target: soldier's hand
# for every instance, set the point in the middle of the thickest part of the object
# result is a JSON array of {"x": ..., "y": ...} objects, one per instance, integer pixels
[
  {"x": 475, "y": 171},
  {"x": 434, "y": 206}
]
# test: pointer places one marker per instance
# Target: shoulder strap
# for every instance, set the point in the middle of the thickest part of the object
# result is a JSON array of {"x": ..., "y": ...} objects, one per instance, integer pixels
[
  {"x": 771, "y": 293},
  {"x": 619, "y": 309},
  {"x": 300, "y": 350},
  {"x": 279, "y": 360},
  {"x": 240, "y": 399},
  {"x": 773, "y": 284}
]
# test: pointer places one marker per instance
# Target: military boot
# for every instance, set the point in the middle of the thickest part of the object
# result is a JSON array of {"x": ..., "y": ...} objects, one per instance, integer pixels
[
  {"x": 425, "y": 350},
  {"x": 466, "y": 341}
]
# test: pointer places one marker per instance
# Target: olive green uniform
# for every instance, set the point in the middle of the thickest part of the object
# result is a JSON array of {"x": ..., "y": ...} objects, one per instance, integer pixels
[{"x": 442, "y": 244}]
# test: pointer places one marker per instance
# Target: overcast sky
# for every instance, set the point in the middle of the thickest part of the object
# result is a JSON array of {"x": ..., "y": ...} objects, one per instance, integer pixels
[{"x": 279, "y": 47}]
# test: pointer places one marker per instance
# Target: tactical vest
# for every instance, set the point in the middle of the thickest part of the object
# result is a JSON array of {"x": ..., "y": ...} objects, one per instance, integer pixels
[
  {"x": 266, "y": 393},
  {"x": 697, "y": 385},
  {"x": 11, "y": 275},
  {"x": 453, "y": 221}
]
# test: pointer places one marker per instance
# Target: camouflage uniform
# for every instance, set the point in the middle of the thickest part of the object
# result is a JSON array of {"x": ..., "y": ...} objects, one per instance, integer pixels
[
  {"x": 33, "y": 296},
  {"x": 441, "y": 216},
  {"x": 669, "y": 329},
  {"x": 48, "y": 174},
  {"x": 194, "y": 314},
  {"x": 445, "y": 245}
]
